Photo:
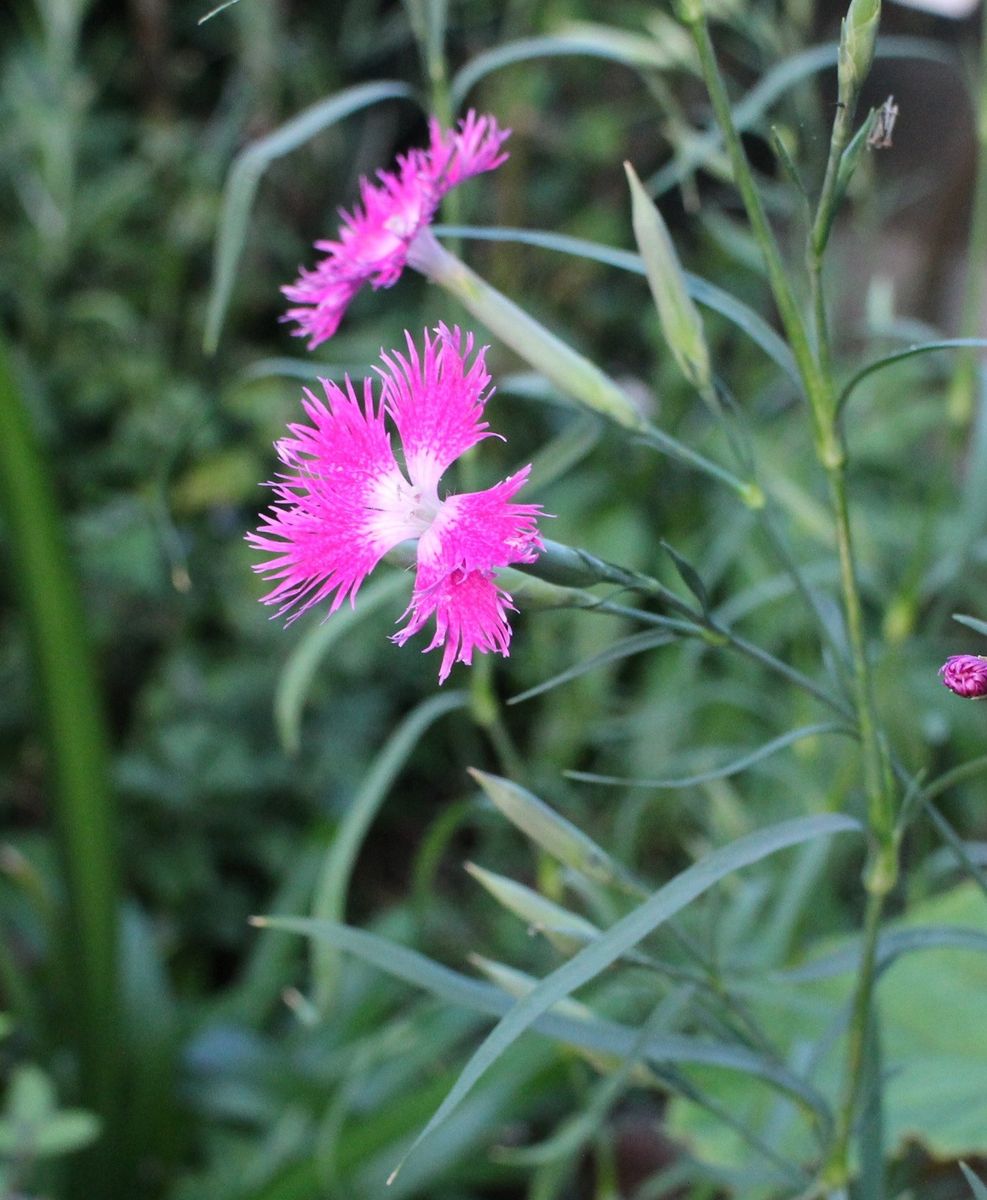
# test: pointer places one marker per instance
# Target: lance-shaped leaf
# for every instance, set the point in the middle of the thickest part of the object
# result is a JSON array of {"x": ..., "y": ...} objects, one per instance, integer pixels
[
  {"x": 680, "y": 320},
  {"x": 567, "y": 931},
  {"x": 518, "y": 983},
  {"x": 552, "y": 832}
]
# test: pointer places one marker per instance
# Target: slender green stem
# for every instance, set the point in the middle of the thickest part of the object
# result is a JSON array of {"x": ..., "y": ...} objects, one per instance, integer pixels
[
  {"x": 816, "y": 386},
  {"x": 815, "y": 369},
  {"x": 720, "y": 635},
  {"x": 487, "y": 711},
  {"x": 964, "y": 380},
  {"x": 942, "y": 783},
  {"x": 876, "y": 767},
  {"x": 836, "y": 1170},
  {"x": 828, "y": 196}
]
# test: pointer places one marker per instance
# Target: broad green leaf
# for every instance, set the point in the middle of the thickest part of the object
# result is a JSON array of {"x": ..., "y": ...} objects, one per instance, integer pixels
[
  {"x": 703, "y": 292},
  {"x": 734, "y": 767},
  {"x": 248, "y": 169},
  {"x": 333, "y": 883},
  {"x": 620, "y": 938}
]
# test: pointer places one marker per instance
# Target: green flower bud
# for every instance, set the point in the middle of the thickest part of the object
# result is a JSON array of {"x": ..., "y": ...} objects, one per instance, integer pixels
[
  {"x": 858, "y": 33},
  {"x": 680, "y": 320}
]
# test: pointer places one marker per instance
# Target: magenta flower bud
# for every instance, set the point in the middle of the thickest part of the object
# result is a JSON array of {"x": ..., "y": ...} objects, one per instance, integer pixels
[{"x": 965, "y": 674}]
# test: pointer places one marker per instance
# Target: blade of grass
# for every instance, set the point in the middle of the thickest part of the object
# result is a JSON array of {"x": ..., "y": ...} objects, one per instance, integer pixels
[
  {"x": 734, "y": 767},
  {"x": 81, "y": 797},
  {"x": 334, "y": 878}
]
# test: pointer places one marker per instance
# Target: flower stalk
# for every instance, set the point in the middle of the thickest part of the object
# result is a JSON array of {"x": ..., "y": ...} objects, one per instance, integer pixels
[
  {"x": 963, "y": 387},
  {"x": 856, "y": 53}
]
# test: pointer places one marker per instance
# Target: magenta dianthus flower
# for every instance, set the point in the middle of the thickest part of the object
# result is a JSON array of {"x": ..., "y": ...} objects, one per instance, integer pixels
[
  {"x": 345, "y": 500},
  {"x": 375, "y": 238},
  {"x": 965, "y": 674}
]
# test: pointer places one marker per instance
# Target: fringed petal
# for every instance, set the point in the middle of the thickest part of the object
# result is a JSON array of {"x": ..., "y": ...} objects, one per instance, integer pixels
[{"x": 340, "y": 506}]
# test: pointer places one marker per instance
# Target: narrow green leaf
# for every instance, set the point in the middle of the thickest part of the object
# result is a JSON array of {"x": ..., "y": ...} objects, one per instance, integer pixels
[
  {"x": 599, "y": 1036},
  {"x": 786, "y": 160},
  {"x": 310, "y": 651},
  {"x": 634, "y": 52},
  {"x": 636, "y": 643},
  {"x": 703, "y": 292},
  {"x": 248, "y": 169},
  {"x": 850, "y": 158},
  {"x": 971, "y": 623},
  {"x": 734, "y": 767},
  {"x": 82, "y": 803},
  {"x": 557, "y": 457},
  {"x": 890, "y": 947},
  {"x": 597, "y": 956},
  {"x": 900, "y": 356},
  {"x": 552, "y": 832},
  {"x": 979, "y": 1189},
  {"x": 688, "y": 574},
  {"x": 330, "y": 892},
  {"x": 213, "y": 12}
]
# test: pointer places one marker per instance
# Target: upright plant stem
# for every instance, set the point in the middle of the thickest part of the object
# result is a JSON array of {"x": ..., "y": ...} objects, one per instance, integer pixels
[
  {"x": 836, "y": 1170},
  {"x": 815, "y": 369},
  {"x": 815, "y": 383},
  {"x": 819, "y": 234},
  {"x": 964, "y": 379},
  {"x": 78, "y": 778}
]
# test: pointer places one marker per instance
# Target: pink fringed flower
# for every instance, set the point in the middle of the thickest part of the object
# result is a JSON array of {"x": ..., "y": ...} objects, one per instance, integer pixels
[
  {"x": 345, "y": 500},
  {"x": 375, "y": 239},
  {"x": 965, "y": 674}
]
